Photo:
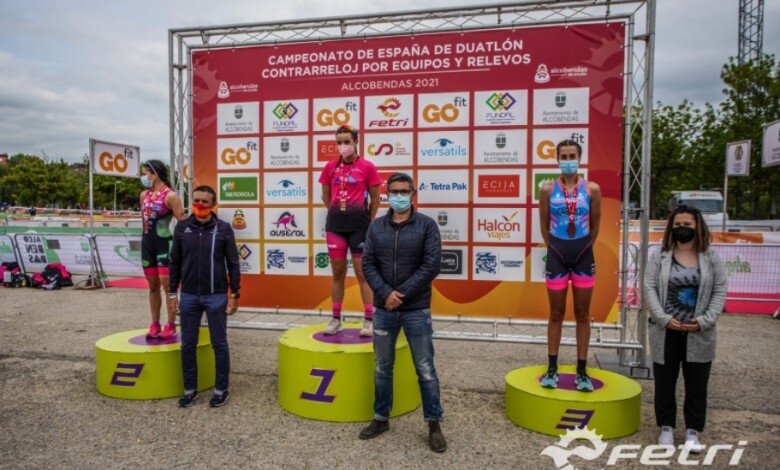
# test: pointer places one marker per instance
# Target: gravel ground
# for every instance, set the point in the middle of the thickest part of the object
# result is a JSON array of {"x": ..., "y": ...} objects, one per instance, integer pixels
[{"x": 51, "y": 414}]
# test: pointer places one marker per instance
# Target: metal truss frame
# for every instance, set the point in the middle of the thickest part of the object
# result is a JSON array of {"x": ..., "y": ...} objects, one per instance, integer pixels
[{"x": 628, "y": 336}]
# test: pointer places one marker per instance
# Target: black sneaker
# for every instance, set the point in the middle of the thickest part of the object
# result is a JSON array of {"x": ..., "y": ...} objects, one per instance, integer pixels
[
  {"x": 374, "y": 429},
  {"x": 219, "y": 400},
  {"x": 435, "y": 437},
  {"x": 187, "y": 399}
]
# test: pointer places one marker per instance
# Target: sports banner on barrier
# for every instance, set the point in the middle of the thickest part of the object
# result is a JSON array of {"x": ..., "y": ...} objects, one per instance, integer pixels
[
  {"x": 38, "y": 250},
  {"x": 473, "y": 116}
]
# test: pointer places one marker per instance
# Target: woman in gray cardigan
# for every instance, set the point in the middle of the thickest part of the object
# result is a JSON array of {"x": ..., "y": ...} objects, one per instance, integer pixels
[{"x": 685, "y": 288}]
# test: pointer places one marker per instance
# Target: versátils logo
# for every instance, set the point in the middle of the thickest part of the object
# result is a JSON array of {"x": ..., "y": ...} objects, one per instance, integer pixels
[
  {"x": 286, "y": 188},
  {"x": 498, "y": 185}
]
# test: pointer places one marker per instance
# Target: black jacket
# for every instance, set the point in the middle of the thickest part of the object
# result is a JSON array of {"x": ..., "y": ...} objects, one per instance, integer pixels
[
  {"x": 405, "y": 257},
  {"x": 203, "y": 257}
]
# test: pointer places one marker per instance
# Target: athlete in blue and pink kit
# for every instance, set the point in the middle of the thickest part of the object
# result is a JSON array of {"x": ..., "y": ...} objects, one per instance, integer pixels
[{"x": 570, "y": 211}]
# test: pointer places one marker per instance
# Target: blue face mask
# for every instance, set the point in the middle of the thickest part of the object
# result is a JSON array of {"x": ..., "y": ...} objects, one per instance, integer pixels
[
  {"x": 145, "y": 181},
  {"x": 400, "y": 203},
  {"x": 569, "y": 167}
]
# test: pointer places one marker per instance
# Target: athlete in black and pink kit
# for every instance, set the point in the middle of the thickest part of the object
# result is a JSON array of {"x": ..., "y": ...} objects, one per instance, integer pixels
[
  {"x": 159, "y": 204},
  {"x": 350, "y": 191}
]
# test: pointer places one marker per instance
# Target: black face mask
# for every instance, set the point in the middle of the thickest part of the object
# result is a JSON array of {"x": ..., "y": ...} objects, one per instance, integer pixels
[{"x": 683, "y": 234}]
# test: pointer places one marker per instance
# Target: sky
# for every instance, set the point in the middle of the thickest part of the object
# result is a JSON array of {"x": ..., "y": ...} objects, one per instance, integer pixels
[{"x": 84, "y": 68}]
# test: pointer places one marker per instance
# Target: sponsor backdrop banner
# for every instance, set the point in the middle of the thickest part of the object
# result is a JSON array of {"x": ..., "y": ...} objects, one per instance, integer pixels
[{"x": 474, "y": 117}]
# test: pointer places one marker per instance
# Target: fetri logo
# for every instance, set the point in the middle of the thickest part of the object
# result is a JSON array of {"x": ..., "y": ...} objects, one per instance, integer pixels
[
  {"x": 285, "y": 111},
  {"x": 115, "y": 163},
  {"x": 390, "y": 108},
  {"x": 327, "y": 150},
  {"x": 242, "y": 156},
  {"x": 339, "y": 117},
  {"x": 449, "y": 112},
  {"x": 498, "y": 186}
]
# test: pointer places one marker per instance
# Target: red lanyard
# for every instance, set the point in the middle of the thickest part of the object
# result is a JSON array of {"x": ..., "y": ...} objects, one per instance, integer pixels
[{"x": 571, "y": 205}]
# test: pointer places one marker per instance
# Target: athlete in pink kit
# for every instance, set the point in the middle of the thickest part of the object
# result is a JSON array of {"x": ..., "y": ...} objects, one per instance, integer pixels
[
  {"x": 350, "y": 191},
  {"x": 159, "y": 204}
]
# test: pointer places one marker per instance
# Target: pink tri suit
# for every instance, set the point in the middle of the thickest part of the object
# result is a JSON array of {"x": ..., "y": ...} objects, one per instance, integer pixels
[
  {"x": 156, "y": 239},
  {"x": 348, "y": 213},
  {"x": 570, "y": 251}
]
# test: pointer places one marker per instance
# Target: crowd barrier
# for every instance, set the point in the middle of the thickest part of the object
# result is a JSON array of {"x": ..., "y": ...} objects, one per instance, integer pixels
[
  {"x": 754, "y": 269},
  {"x": 753, "y": 275}
]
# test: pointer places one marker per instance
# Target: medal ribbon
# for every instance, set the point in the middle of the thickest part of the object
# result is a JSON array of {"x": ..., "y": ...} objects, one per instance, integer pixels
[
  {"x": 571, "y": 206},
  {"x": 343, "y": 179}
]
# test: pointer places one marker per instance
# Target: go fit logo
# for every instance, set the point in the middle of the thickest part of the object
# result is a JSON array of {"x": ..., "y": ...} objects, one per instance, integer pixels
[
  {"x": 340, "y": 117},
  {"x": 115, "y": 163},
  {"x": 242, "y": 156},
  {"x": 448, "y": 113}
]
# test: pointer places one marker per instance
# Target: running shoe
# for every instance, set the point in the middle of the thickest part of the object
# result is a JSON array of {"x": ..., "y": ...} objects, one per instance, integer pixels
[
  {"x": 583, "y": 382},
  {"x": 186, "y": 400},
  {"x": 368, "y": 328},
  {"x": 168, "y": 331},
  {"x": 550, "y": 378},
  {"x": 692, "y": 441},
  {"x": 154, "y": 330},
  {"x": 334, "y": 326},
  {"x": 219, "y": 399}
]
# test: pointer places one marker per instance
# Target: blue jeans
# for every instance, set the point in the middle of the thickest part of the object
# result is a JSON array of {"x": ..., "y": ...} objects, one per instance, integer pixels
[
  {"x": 191, "y": 308},
  {"x": 419, "y": 334}
]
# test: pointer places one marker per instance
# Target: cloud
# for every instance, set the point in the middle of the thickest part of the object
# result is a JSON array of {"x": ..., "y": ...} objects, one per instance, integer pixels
[{"x": 86, "y": 68}]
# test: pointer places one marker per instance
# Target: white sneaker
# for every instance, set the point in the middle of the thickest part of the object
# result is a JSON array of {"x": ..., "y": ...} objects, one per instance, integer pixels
[
  {"x": 666, "y": 438},
  {"x": 368, "y": 328},
  {"x": 334, "y": 326},
  {"x": 692, "y": 441}
]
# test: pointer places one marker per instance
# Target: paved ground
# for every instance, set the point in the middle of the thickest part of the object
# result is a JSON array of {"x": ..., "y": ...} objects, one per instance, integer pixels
[{"x": 51, "y": 415}]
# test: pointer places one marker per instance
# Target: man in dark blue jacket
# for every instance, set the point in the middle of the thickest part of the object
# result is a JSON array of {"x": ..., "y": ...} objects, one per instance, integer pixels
[
  {"x": 401, "y": 257},
  {"x": 204, "y": 258}
]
